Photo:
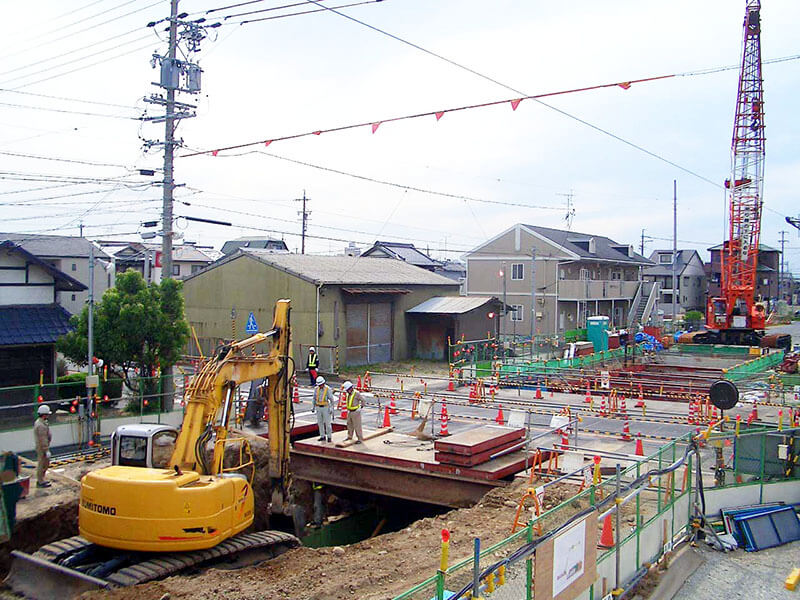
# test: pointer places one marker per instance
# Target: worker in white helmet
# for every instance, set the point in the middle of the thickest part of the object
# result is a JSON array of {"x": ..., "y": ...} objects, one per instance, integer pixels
[
  {"x": 323, "y": 406},
  {"x": 312, "y": 364},
  {"x": 354, "y": 402},
  {"x": 42, "y": 437}
]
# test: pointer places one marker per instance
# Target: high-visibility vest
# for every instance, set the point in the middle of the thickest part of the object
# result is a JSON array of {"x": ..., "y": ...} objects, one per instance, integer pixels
[
  {"x": 313, "y": 361},
  {"x": 324, "y": 400},
  {"x": 351, "y": 404}
]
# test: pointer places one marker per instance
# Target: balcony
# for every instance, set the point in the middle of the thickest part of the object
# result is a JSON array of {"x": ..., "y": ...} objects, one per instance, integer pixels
[{"x": 572, "y": 289}]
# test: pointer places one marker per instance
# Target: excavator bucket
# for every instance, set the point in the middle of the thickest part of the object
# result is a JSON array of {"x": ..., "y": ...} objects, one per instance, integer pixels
[{"x": 36, "y": 578}]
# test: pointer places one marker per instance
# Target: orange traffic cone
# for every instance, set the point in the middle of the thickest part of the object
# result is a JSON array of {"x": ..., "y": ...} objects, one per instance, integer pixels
[
  {"x": 499, "y": 419},
  {"x": 603, "y": 406},
  {"x": 753, "y": 413},
  {"x": 564, "y": 440},
  {"x": 626, "y": 432},
  {"x": 358, "y": 383},
  {"x": 539, "y": 391},
  {"x": 607, "y": 536},
  {"x": 386, "y": 420},
  {"x": 639, "y": 446},
  {"x": 588, "y": 398},
  {"x": 296, "y": 396},
  {"x": 473, "y": 392},
  {"x": 451, "y": 385},
  {"x": 343, "y": 404},
  {"x": 624, "y": 408},
  {"x": 640, "y": 403},
  {"x": 444, "y": 419},
  {"x": 392, "y": 406},
  {"x": 692, "y": 418}
]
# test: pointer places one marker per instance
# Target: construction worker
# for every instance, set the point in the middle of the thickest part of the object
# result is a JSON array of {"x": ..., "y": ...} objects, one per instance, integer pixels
[
  {"x": 354, "y": 402},
  {"x": 42, "y": 437},
  {"x": 255, "y": 401},
  {"x": 312, "y": 365},
  {"x": 323, "y": 406}
]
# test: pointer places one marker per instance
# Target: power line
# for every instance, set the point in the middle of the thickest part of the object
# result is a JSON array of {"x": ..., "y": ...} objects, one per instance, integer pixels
[
  {"x": 296, "y": 14},
  {"x": 64, "y": 111},
  {"x": 252, "y": 12},
  {"x": 63, "y": 98},
  {"x": 66, "y": 160}
]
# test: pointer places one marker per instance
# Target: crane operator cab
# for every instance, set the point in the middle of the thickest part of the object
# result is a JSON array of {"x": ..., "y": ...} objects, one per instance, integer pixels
[{"x": 143, "y": 445}]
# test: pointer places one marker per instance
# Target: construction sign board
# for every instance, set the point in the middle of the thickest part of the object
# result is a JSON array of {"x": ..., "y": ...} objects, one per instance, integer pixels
[
  {"x": 605, "y": 380},
  {"x": 566, "y": 565}
]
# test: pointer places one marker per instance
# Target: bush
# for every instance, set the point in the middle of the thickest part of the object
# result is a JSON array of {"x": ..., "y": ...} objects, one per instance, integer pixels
[
  {"x": 693, "y": 316},
  {"x": 74, "y": 384}
]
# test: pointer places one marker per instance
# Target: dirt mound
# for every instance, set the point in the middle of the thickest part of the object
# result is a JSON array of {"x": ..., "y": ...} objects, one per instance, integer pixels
[{"x": 374, "y": 569}]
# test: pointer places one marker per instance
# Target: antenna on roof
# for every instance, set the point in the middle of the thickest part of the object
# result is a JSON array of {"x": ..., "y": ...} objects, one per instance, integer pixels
[{"x": 570, "y": 209}]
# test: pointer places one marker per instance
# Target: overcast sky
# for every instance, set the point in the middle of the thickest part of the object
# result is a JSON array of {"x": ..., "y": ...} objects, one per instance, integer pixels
[{"x": 319, "y": 71}]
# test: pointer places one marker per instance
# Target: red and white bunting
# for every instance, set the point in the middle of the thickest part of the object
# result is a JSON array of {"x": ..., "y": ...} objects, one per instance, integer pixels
[
  {"x": 439, "y": 115},
  {"x": 515, "y": 103},
  {"x": 267, "y": 143},
  {"x": 375, "y": 126}
]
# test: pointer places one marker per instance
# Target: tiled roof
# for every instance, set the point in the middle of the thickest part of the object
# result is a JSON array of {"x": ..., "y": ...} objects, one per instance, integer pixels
[
  {"x": 684, "y": 256},
  {"x": 605, "y": 248},
  {"x": 333, "y": 270},
  {"x": 63, "y": 282},
  {"x": 405, "y": 252},
  {"x": 32, "y": 324},
  {"x": 53, "y": 246}
]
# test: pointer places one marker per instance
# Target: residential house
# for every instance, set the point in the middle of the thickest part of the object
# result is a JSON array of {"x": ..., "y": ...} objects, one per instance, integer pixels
[
  {"x": 767, "y": 271},
  {"x": 69, "y": 254},
  {"x": 263, "y": 243},
  {"x": 405, "y": 252},
  {"x": 577, "y": 275},
  {"x": 352, "y": 308},
  {"x": 31, "y": 319},
  {"x": 691, "y": 280},
  {"x": 145, "y": 258}
]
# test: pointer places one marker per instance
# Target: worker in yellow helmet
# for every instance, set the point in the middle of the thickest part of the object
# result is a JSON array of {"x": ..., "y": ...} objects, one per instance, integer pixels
[{"x": 354, "y": 401}]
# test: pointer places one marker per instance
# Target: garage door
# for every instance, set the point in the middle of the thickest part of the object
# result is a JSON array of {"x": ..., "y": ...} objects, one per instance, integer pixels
[{"x": 369, "y": 333}]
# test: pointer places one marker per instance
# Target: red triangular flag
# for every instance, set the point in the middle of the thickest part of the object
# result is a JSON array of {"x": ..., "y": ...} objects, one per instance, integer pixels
[
  {"x": 317, "y": 132},
  {"x": 515, "y": 103},
  {"x": 375, "y": 127},
  {"x": 268, "y": 142},
  {"x": 214, "y": 153},
  {"x": 625, "y": 85},
  {"x": 439, "y": 115}
]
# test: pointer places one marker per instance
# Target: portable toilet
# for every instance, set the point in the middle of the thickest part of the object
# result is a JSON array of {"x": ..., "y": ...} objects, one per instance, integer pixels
[{"x": 597, "y": 332}]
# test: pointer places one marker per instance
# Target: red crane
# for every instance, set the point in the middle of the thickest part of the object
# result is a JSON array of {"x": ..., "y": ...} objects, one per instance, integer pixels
[{"x": 735, "y": 316}]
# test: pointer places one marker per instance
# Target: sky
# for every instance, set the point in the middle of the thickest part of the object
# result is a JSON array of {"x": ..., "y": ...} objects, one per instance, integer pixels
[{"x": 74, "y": 77}]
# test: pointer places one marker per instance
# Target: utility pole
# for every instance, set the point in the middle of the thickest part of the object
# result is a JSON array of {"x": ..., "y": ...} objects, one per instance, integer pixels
[
  {"x": 305, "y": 214},
  {"x": 503, "y": 326},
  {"x": 781, "y": 271},
  {"x": 674, "y": 253},
  {"x": 169, "y": 151},
  {"x": 642, "y": 246}
]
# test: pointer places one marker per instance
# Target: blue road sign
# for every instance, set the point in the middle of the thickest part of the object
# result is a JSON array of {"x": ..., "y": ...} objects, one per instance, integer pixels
[{"x": 252, "y": 326}]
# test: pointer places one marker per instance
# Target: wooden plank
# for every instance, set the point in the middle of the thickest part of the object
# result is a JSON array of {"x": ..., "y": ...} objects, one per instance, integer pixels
[
  {"x": 367, "y": 436},
  {"x": 479, "y": 439}
]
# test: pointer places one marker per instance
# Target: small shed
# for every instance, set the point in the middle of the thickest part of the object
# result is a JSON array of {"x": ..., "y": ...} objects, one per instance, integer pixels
[{"x": 443, "y": 317}]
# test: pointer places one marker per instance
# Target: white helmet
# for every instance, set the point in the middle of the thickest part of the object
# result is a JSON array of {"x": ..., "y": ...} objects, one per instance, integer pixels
[
  {"x": 312, "y": 349},
  {"x": 44, "y": 410},
  {"x": 347, "y": 385},
  {"x": 320, "y": 380}
]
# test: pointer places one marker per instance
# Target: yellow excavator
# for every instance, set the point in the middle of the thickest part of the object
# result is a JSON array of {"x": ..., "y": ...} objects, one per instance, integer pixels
[{"x": 174, "y": 499}]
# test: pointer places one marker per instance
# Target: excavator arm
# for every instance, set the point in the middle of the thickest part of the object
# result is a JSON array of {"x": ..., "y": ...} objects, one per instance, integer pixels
[{"x": 210, "y": 398}]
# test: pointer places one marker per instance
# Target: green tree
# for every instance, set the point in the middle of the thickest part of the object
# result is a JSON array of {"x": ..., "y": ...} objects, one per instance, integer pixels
[{"x": 136, "y": 326}]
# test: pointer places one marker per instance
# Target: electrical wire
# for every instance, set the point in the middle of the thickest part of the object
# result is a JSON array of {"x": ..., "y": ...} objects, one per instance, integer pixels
[
  {"x": 299, "y": 13},
  {"x": 63, "y": 98},
  {"x": 263, "y": 10},
  {"x": 69, "y": 112},
  {"x": 66, "y": 160}
]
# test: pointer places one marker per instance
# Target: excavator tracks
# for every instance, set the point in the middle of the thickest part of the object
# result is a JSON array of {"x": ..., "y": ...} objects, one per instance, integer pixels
[{"x": 74, "y": 565}]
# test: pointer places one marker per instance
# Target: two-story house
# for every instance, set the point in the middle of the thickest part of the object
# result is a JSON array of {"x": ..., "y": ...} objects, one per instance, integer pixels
[
  {"x": 769, "y": 260},
  {"x": 690, "y": 284},
  {"x": 577, "y": 275},
  {"x": 69, "y": 254},
  {"x": 30, "y": 318},
  {"x": 187, "y": 258}
]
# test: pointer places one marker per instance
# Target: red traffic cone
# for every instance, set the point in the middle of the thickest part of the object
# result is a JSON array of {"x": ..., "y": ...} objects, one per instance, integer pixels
[
  {"x": 639, "y": 446},
  {"x": 499, "y": 419},
  {"x": 626, "y": 432},
  {"x": 386, "y": 420},
  {"x": 603, "y": 406},
  {"x": 607, "y": 536},
  {"x": 296, "y": 396},
  {"x": 624, "y": 408},
  {"x": 588, "y": 398},
  {"x": 538, "y": 391},
  {"x": 343, "y": 404},
  {"x": 358, "y": 383},
  {"x": 451, "y": 385},
  {"x": 640, "y": 402},
  {"x": 564, "y": 440},
  {"x": 444, "y": 419},
  {"x": 392, "y": 406}
]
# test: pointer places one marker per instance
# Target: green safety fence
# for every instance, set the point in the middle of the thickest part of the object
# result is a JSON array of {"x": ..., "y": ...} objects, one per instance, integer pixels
[
  {"x": 713, "y": 350},
  {"x": 754, "y": 367},
  {"x": 657, "y": 516}
]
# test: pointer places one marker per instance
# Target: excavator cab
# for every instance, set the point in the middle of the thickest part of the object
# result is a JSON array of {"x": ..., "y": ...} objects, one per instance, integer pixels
[{"x": 143, "y": 445}]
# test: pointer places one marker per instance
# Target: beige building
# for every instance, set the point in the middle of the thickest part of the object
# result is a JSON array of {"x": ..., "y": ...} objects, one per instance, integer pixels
[
  {"x": 577, "y": 275},
  {"x": 350, "y": 307}
]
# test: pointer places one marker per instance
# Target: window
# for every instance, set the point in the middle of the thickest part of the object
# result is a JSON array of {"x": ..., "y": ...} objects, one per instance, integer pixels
[
  {"x": 196, "y": 268},
  {"x": 562, "y": 274},
  {"x": 665, "y": 258},
  {"x": 176, "y": 269},
  {"x": 132, "y": 451},
  {"x": 686, "y": 281},
  {"x": 517, "y": 312},
  {"x": 584, "y": 274},
  {"x": 163, "y": 445},
  {"x": 766, "y": 282},
  {"x": 73, "y": 297},
  {"x": 615, "y": 275},
  {"x": 74, "y": 267},
  {"x": 517, "y": 271}
]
